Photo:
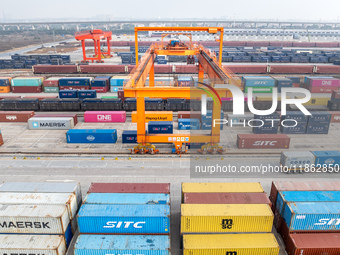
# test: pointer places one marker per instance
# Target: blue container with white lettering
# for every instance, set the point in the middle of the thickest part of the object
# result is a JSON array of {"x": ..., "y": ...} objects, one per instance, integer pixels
[
  {"x": 285, "y": 197},
  {"x": 259, "y": 82},
  {"x": 91, "y": 136},
  {"x": 189, "y": 124},
  {"x": 87, "y": 94},
  {"x": 124, "y": 219},
  {"x": 127, "y": 198},
  {"x": 312, "y": 216},
  {"x": 327, "y": 158},
  {"x": 122, "y": 244},
  {"x": 160, "y": 127},
  {"x": 68, "y": 94}
]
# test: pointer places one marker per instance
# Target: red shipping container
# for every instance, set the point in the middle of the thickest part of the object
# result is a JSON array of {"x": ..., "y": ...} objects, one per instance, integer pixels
[
  {"x": 52, "y": 69},
  {"x": 61, "y": 115},
  {"x": 129, "y": 188},
  {"x": 313, "y": 244},
  {"x": 248, "y": 69},
  {"x": 74, "y": 87},
  {"x": 186, "y": 69},
  {"x": 335, "y": 117},
  {"x": 327, "y": 44},
  {"x": 303, "y": 44},
  {"x": 15, "y": 116},
  {"x": 226, "y": 198},
  {"x": 52, "y": 82},
  {"x": 189, "y": 115},
  {"x": 41, "y": 97},
  {"x": 100, "y": 89},
  {"x": 233, "y": 43},
  {"x": 257, "y": 44},
  {"x": 266, "y": 141},
  {"x": 120, "y": 94},
  {"x": 323, "y": 69},
  {"x": 300, "y": 186},
  {"x": 130, "y": 68},
  {"x": 296, "y": 85},
  {"x": 336, "y": 94},
  {"x": 8, "y": 96},
  {"x": 322, "y": 89},
  {"x": 104, "y": 116},
  {"x": 163, "y": 68},
  {"x": 281, "y": 44},
  {"x": 110, "y": 69},
  {"x": 27, "y": 89},
  {"x": 292, "y": 69}
]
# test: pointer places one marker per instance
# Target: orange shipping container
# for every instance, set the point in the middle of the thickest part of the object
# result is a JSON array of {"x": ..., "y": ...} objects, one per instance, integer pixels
[
  {"x": 154, "y": 116},
  {"x": 5, "y": 89}
]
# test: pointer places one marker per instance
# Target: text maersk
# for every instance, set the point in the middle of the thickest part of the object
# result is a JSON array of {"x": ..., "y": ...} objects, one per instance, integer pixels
[
  {"x": 24, "y": 224},
  {"x": 52, "y": 124}
]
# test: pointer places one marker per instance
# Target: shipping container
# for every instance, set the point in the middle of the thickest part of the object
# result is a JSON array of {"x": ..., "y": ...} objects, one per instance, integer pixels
[
  {"x": 51, "y": 89},
  {"x": 67, "y": 199},
  {"x": 68, "y": 94},
  {"x": 1, "y": 139},
  {"x": 319, "y": 118},
  {"x": 154, "y": 116},
  {"x": 298, "y": 129},
  {"x": 87, "y": 94},
  {"x": 127, "y": 198},
  {"x": 51, "y": 123},
  {"x": 34, "y": 219},
  {"x": 222, "y": 218},
  {"x": 312, "y": 244},
  {"x": 14, "y": 116},
  {"x": 312, "y": 216},
  {"x": 122, "y": 244},
  {"x": 105, "y": 116},
  {"x": 335, "y": 95},
  {"x": 231, "y": 244},
  {"x": 27, "y": 81},
  {"x": 5, "y": 89},
  {"x": 259, "y": 89},
  {"x": 75, "y": 81},
  {"x": 335, "y": 116},
  {"x": 323, "y": 82},
  {"x": 130, "y": 188},
  {"x": 328, "y": 90},
  {"x": 265, "y": 141},
  {"x": 91, "y": 136},
  {"x": 236, "y": 119},
  {"x": 129, "y": 136},
  {"x": 315, "y": 128},
  {"x": 259, "y": 81},
  {"x": 226, "y": 198},
  {"x": 297, "y": 159},
  {"x": 27, "y": 89},
  {"x": 32, "y": 244},
  {"x": 189, "y": 124},
  {"x": 160, "y": 127},
  {"x": 189, "y": 115},
  {"x": 124, "y": 219},
  {"x": 61, "y": 115},
  {"x": 51, "y": 82},
  {"x": 118, "y": 80},
  {"x": 327, "y": 158}
]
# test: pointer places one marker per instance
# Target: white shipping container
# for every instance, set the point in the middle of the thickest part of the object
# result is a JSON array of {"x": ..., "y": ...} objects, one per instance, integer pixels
[
  {"x": 35, "y": 219},
  {"x": 297, "y": 159},
  {"x": 32, "y": 244},
  {"x": 67, "y": 199}
]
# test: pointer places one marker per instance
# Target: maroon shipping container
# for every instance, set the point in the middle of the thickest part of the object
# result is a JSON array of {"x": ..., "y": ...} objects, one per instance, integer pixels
[
  {"x": 226, "y": 198},
  {"x": 281, "y": 44},
  {"x": 163, "y": 68},
  {"x": 327, "y": 90},
  {"x": 55, "y": 69},
  {"x": 291, "y": 69},
  {"x": 74, "y": 87},
  {"x": 336, "y": 94},
  {"x": 130, "y": 188},
  {"x": 327, "y": 44},
  {"x": 233, "y": 43},
  {"x": 100, "y": 89},
  {"x": 46, "y": 115},
  {"x": 267, "y": 141},
  {"x": 300, "y": 186},
  {"x": 335, "y": 116},
  {"x": 313, "y": 244},
  {"x": 327, "y": 69},
  {"x": 186, "y": 69},
  {"x": 257, "y": 44},
  {"x": 27, "y": 89},
  {"x": 303, "y": 44},
  {"x": 120, "y": 94},
  {"x": 41, "y": 97},
  {"x": 9, "y": 96},
  {"x": 15, "y": 116},
  {"x": 248, "y": 69},
  {"x": 130, "y": 68},
  {"x": 189, "y": 115},
  {"x": 102, "y": 69},
  {"x": 52, "y": 82}
]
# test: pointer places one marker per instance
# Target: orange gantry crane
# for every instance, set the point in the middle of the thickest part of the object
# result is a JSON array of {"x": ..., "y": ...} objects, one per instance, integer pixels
[
  {"x": 96, "y": 35},
  {"x": 208, "y": 64}
]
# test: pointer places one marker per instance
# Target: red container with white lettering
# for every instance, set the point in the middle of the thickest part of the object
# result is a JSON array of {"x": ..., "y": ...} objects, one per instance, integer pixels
[
  {"x": 266, "y": 141},
  {"x": 104, "y": 116}
]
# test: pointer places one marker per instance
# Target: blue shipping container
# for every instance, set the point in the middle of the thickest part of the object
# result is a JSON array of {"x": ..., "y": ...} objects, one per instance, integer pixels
[
  {"x": 4, "y": 82},
  {"x": 299, "y": 129},
  {"x": 160, "y": 127},
  {"x": 317, "y": 128},
  {"x": 265, "y": 129},
  {"x": 129, "y": 136},
  {"x": 127, "y": 198},
  {"x": 259, "y": 81},
  {"x": 68, "y": 94},
  {"x": 295, "y": 115},
  {"x": 87, "y": 94},
  {"x": 285, "y": 197},
  {"x": 122, "y": 244},
  {"x": 99, "y": 83},
  {"x": 188, "y": 124},
  {"x": 208, "y": 116},
  {"x": 319, "y": 118},
  {"x": 127, "y": 219},
  {"x": 312, "y": 216},
  {"x": 91, "y": 136},
  {"x": 206, "y": 125},
  {"x": 75, "y": 81},
  {"x": 328, "y": 158}
]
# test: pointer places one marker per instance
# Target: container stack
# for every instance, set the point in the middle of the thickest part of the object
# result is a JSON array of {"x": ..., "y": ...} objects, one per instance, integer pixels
[
  {"x": 318, "y": 123},
  {"x": 51, "y": 85},
  {"x": 306, "y": 216},
  {"x": 295, "y": 80},
  {"x": 206, "y": 120},
  {"x": 259, "y": 84},
  {"x": 119, "y": 218},
  {"x": 101, "y": 84},
  {"x": 321, "y": 84},
  {"x": 226, "y": 217},
  {"x": 281, "y": 82},
  {"x": 299, "y": 118},
  {"x": 117, "y": 83},
  {"x": 27, "y": 84},
  {"x": 5, "y": 84},
  {"x": 38, "y": 216},
  {"x": 78, "y": 83},
  {"x": 267, "y": 124}
]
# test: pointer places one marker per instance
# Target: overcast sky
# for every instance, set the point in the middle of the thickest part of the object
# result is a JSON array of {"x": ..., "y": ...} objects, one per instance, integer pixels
[{"x": 177, "y": 9}]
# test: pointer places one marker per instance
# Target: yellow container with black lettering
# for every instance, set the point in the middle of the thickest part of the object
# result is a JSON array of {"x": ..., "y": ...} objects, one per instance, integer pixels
[
  {"x": 226, "y": 218},
  {"x": 317, "y": 101},
  {"x": 154, "y": 116},
  {"x": 231, "y": 244}
]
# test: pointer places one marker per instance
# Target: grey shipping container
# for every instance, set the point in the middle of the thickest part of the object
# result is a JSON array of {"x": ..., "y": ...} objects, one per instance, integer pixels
[
  {"x": 297, "y": 159},
  {"x": 57, "y": 123}
]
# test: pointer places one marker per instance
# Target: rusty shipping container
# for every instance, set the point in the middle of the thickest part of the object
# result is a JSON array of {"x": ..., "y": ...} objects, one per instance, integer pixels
[
  {"x": 226, "y": 198},
  {"x": 335, "y": 94},
  {"x": 15, "y": 116},
  {"x": 130, "y": 188},
  {"x": 189, "y": 115},
  {"x": 335, "y": 116},
  {"x": 313, "y": 244},
  {"x": 267, "y": 141},
  {"x": 52, "y": 82},
  {"x": 300, "y": 186},
  {"x": 27, "y": 89}
]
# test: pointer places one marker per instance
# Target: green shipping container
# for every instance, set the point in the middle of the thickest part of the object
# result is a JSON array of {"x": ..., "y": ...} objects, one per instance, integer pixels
[
  {"x": 26, "y": 82},
  {"x": 108, "y": 97},
  {"x": 260, "y": 89},
  {"x": 51, "y": 89}
]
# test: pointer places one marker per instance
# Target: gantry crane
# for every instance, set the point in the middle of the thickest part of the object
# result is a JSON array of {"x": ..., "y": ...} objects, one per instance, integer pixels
[
  {"x": 96, "y": 35},
  {"x": 135, "y": 87}
]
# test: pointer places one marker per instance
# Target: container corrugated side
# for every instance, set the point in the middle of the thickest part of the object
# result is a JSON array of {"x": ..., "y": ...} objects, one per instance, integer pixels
[
  {"x": 124, "y": 219},
  {"x": 126, "y": 198},
  {"x": 122, "y": 244},
  {"x": 69, "y": 200},
  {"x": 43, "y": 187},
  {"x": 37, "y": 219},
  {"x": 97, "y": 187},
  {"x": 285, "y": 197},
  {"x": 32, "y": 244},
  {"x": 312, "y": 216},
  {"x": 231, "y": 244},
  {"x": 222, "y": 218}
]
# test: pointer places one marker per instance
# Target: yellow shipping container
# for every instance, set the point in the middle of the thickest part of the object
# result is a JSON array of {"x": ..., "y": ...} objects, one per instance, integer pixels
[
  {"x": 231, "y": 244},
  {"x": 216, "y": 187},
  {"x": 316, "y": 101},
  {"x": 224, "y": 218},
  {"x": 154, "y": 116}
]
